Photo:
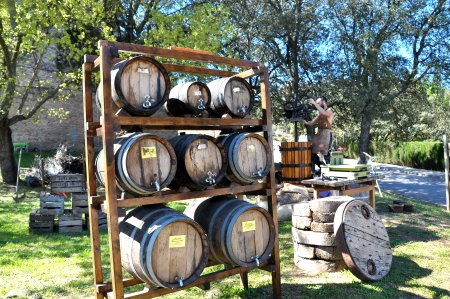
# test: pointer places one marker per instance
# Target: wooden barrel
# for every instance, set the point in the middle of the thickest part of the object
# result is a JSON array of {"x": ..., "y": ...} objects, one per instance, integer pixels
[
  {"x": 140, "y": 85},
  {"x": 239, "y": 233},
  {"x": 295, "y": 161},
  {"x": 249, "y": 157},
  {"x": 232, "y": 95},
  {"x": 188, "y": 98},
  {"x": 162, "y": 246},
  {"x": 202, "y": 161},
  {"x": 145, "y": 163}
]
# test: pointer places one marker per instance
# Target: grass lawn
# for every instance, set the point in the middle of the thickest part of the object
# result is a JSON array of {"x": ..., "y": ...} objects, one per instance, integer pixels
[{"x": 59, "y": 265}]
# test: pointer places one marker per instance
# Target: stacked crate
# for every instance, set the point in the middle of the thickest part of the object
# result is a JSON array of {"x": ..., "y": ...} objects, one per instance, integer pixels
[
  {"x": 315, "y": 248},
  {"x": 51, "y": 216}
]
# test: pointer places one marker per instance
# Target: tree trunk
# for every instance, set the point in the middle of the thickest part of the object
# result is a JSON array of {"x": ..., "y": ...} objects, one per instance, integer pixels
[
  {"x": 364, "y": 137},
  {"x": 7, "y": 161}
]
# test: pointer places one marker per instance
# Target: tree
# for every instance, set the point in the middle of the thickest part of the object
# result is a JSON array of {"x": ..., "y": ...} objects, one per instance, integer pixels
[
  {"x": 286, "y": 36},
  {"x": 31, "y": 32},
  {"x": 381, "y": 50}
]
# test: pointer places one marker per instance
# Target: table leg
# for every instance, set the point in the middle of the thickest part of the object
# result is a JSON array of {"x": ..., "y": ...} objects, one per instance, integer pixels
[{"x": 372, "y": 195}]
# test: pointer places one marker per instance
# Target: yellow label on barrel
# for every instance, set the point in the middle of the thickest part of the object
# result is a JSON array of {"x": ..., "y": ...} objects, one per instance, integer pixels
[
  {"x": 248, "y": 226},
  {"x": 177, "y": 241},
  {"x": 148, "y": 152},
  {"x": 251, "y": 148}
]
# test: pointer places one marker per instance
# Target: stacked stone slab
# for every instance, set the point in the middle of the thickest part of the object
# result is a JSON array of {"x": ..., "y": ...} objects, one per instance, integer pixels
[{"x": 315, "y": 248}]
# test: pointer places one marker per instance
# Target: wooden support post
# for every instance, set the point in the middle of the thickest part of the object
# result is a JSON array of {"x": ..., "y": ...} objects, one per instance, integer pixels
[
  {"x": 108, "y": 161},
  {"x": 90, "y": 177},
  {"x": 244, "y": 279},
  {"x": 272, "y": 198},
  {"x": 447, "y": 171}
]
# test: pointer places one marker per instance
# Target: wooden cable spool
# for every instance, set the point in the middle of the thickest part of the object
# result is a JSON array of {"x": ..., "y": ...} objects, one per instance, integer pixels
[
  {"x": 162, "y": 246},
  {"x": 249, "y": 157},
  {"x": 140, "y": 85},
  {"x": 145, "y": 163},
  {"x": 239, "y": 233},
  {"x": 202, "y": 161},
  {"x": 296, "y": 162},
  {"x": 232, "y": 95},
  {"x": 188, "y": 98},
  {"x": 362, "y": 240}
]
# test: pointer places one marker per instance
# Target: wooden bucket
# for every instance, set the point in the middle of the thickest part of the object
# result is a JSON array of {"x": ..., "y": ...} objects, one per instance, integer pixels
[
  {"x": 296, "y": 162},
  {"x": 202, "y": 161},
  {"x": 239, "y": 233},
  {"x": 140, "y": 85},
  {"x": 145, "y": 163},
  {"x": 249, "y": 157},
  {"x": 232, "y": 95},
  {"x": 162, "y": 246},
  {"x": 188, "y": 98}
]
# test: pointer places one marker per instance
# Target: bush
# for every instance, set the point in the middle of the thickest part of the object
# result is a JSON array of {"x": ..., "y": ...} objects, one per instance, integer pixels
[{"x": 417, "y": 154}]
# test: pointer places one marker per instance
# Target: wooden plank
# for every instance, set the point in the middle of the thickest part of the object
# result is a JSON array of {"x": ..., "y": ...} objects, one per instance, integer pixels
[
  {"x": 108, "y": 161},
  {"x": 90, "y": 173},
  {"x": 357, "y": 190},
  {"x": 185, "y": 122},
  {"x": 72, "y": 177},
  {"x": 163, "y": 198},
  {"x": 447, "y": 171},
  {"x": 197, "y": 70},
  {"x": 340, "y": 183},
  {"x": 272, "y": 199},
  {"x": 177, "y": 53}
]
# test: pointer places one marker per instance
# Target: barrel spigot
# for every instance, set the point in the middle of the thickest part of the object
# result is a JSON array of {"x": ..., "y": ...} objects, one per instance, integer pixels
[
  {"x": 256, "y": 258},
  {"x": 155, "y": 183},
  {"x": 179, "y": 280},
  {"x": 242, "y": 110},
  {"x": 258, "y": 174},
  {"x": 211, "y": 179},
  {"x": 147, "y": 102},
  {"x": 201, "y": 104}
]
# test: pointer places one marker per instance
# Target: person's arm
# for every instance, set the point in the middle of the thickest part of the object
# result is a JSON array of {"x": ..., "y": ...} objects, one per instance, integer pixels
[
  {"x": 311, "y": 122},
  {"x": 320, "y": 109}
]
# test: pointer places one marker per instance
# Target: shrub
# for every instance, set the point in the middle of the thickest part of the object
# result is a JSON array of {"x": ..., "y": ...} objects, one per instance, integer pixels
[{"x": 417, "y": 154}]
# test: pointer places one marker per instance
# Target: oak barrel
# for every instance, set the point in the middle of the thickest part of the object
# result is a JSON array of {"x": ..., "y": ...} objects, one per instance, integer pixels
[
  {"x": 232, "y": 95},
  {"x": 188, "y": 98},
  {"x": 140, "y": 85},
  {"x": 144, "y": 163},
  {"x": 239, "y": 233},
  {"x": 202, "y": 161},
  {"x": 162, "y": 246},
  {"x": 249, "y": 157},
  {"x": 296, "y": 163}
]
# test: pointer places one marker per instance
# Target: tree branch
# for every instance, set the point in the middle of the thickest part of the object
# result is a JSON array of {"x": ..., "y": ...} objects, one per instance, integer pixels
[
  {"x": 30, "y": 83},
  {"x": 5, "y": 49}
]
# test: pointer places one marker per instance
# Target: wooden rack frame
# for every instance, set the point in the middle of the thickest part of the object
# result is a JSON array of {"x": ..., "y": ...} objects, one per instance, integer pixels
[{"x": 109, "y": 54}]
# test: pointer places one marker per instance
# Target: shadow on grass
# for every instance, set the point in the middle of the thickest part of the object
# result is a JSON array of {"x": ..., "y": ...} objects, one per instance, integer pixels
[
  {"x": 401, "y": 234},
  {"x": 403, "y": 272}
]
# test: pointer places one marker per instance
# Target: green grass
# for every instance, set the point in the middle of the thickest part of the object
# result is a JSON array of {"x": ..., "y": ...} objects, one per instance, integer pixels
[{"x": 59, "y": 265}]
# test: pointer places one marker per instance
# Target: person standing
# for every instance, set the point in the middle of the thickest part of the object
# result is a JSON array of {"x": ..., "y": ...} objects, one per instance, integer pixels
[{"x": 321, "y": 141}]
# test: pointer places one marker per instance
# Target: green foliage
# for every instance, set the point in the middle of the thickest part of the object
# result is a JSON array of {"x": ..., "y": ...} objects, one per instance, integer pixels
[{"x": 424, "y": 155}]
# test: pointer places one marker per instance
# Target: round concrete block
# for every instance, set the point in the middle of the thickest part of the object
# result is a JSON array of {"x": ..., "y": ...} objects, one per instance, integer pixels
[
  {"x": 314, "y": 266},
  {"x": 301, "y": 209},
  {"x": 322, "y": 227},
  {"x": 301, "y": 222},
  {"x": 329, "y": 253},
  {"x": 323, "y": 217},
  {"x": 302, "y": 250},
  {"x": 312, "y": 238},
  {"x": 328, "y": 204}
]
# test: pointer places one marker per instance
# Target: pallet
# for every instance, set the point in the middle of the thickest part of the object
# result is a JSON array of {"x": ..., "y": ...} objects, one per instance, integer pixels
[
  {"x": 70, "y": 223},
  {"x": 67, "y": 183},
  {"x": 41, "y": 222},
  {"x": 51, "y": 204},
  {"x": 79, "y": 203}
]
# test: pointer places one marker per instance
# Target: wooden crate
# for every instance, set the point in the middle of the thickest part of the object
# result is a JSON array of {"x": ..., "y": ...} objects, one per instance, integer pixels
[
  {"x": 102, "y": 220},
  {"x": 67, "y": 183},
  {"x": 70, "y": 223},
  {"x": 51, "y": 204},
  {"x": 79, "y": 203},
  {"x": 41, "y": 222}
]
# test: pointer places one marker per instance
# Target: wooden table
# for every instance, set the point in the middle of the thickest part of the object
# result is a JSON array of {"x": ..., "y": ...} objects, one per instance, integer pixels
[{"x": 343, "y": 186}]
